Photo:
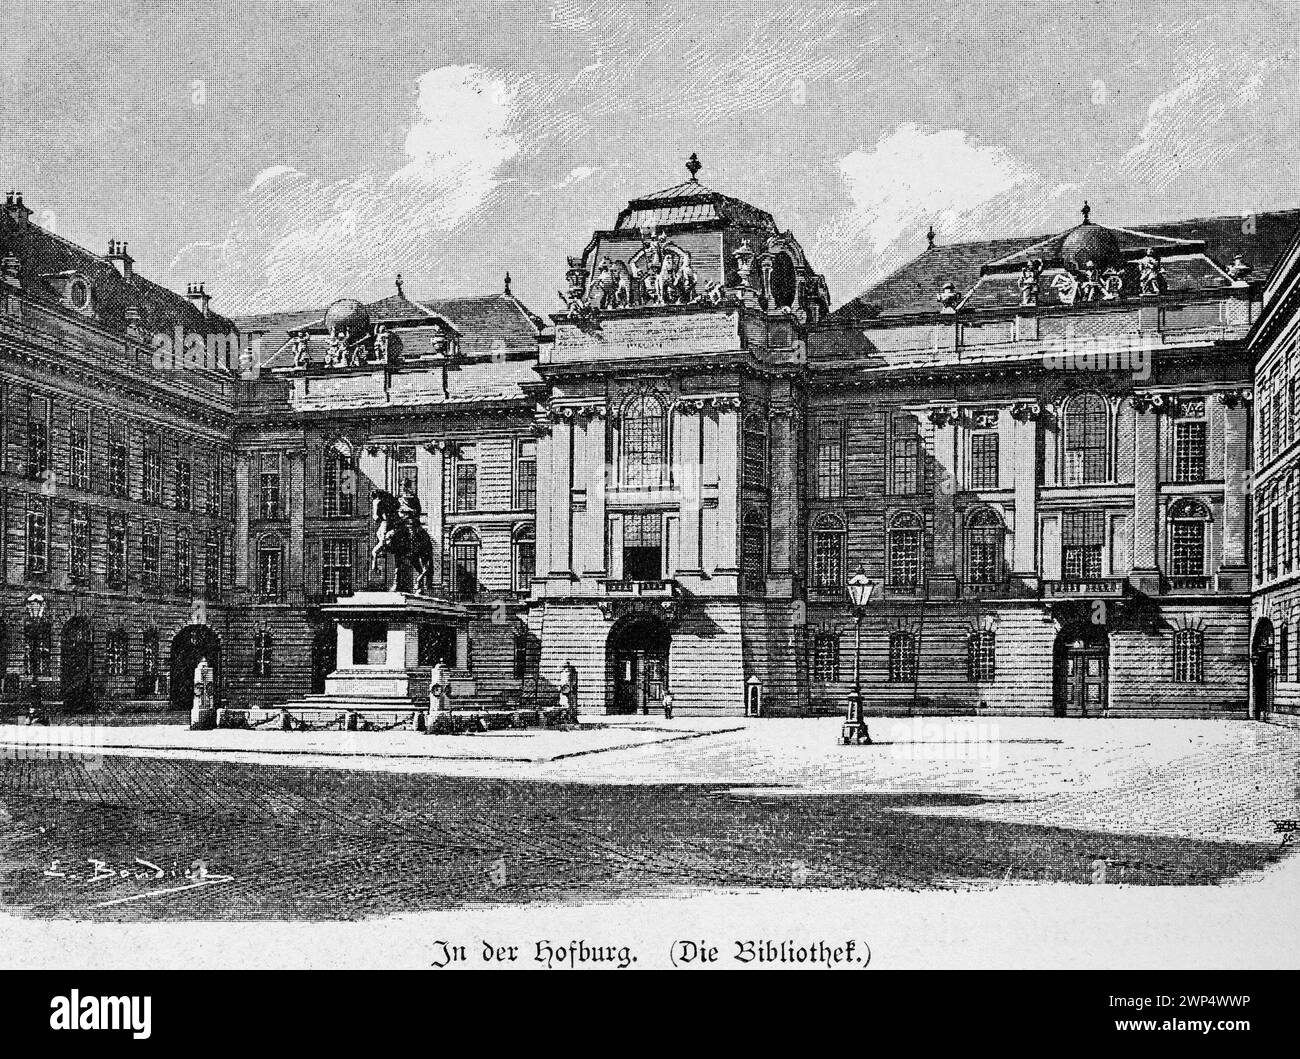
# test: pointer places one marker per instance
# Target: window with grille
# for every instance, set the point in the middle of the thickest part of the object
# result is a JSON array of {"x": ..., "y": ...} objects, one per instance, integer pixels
[
  {"x": 263, "y": 654},
  {"x": 406, "y": 473},
  {"x": 150, "y": 555},
  {"x": 79, "y": 547},
  {"x": 1189, "y": 451},
  {"x": 830, "y": 463},
  {"x": 339, "y": 486},
  {"x": 828, "y": 556},
  {"x": 116, "y": 565},
  {"x": 1288, "y": 540},
  {"x": 115, "y": 653},
  {"x": 269, "y": 569},
  {"x": 38, "y": 437},
  {"x": 1189, "y": 656},
  {"x": 79, "y": 451},
  {"x": 466, "y": 478},
  {"x": 151, "y": 470},
  {"x": 1283, "y": 651},
  {"x": 38, "y": 537},
  {"x": 1274, "y": 536},
  {"x": 42, "y": 638},
  {"x": 644, "y": 431},
  {"x": 984, "y": 549},
  {"x": 525, "y": 560},
  {"x": 753, "y": 551},
  {"x": 905, "y": 464},
  {"x": 1264, "y": 434},
  {"x": 981, "y": 655},
  {"x": 212, "y": 564},
  {"x": 1259, "y": 547},
  {"x": 1188, "y": 548},
  {"x": 464, "y": 566},
  {"x": 117, "y": 463},
  {"x": 904, "y": 548},
  {"x": 526, "y": 476},
  {"x": 826, "y": 658},
  {"x": 1087, "y": 426},
  {"x": 984, "y": 460},
  {"x": 1279, "y": 419},
  {"x": 184, "y": 562},
  {"x": 149, "y": 653},
  {"x": 269, "y": 485},
  {"x": 755, "y": 450},
  {"x": 184, "y": 484},
  {"x": 1083, "y": 538},
  {"x": 902, "y": 657},
  {"x": 336, "y": 567},
  {"x": 212, "y": 485}
]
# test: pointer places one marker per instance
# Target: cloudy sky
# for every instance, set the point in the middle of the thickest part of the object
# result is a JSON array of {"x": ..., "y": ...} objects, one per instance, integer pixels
[{"x": 288, "y": 152}]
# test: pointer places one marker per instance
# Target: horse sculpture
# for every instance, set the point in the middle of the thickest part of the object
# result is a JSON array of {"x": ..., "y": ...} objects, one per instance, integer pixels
[{"x": 398, "y": 533}]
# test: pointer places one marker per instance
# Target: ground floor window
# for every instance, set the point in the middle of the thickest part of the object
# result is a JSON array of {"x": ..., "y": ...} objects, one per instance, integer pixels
[
  {"x": 826, "y": 658},
  {"x": 902, "y": 657},
  {"x": 1189, "y": 656},
  {"x": 262, "y": 659},
  {"x": 981, "y": 655}
]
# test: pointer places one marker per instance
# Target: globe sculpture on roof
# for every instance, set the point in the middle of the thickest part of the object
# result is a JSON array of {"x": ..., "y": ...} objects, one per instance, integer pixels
[
  {"x": 349, "y": 316},
  {"x": 1090, "y": 243}
]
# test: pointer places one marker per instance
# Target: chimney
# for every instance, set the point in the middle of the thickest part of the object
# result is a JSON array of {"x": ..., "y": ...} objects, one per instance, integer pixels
[
  {"x": 122, "y": 261},
  {"x": 15, "y": 208},
  {"x": 199, "y": 297}
]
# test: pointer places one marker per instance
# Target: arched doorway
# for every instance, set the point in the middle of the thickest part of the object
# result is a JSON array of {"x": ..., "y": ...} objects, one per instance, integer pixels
[
  {"x": 637, "y": 653},
  {"x": 1081, "y": 687},
  {"x": 191, "y": 644},
  {"x": 76, "y": 666},
  {"x": 1262, "y": 673}
]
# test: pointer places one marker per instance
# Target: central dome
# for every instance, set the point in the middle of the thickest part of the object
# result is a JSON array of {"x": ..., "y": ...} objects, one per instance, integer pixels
[
  {"x": 349, "y": 316},
  {"x": 1091, "y": 242}
]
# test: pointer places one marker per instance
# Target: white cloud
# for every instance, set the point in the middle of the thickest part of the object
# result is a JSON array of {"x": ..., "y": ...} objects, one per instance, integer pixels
[
  {"x": 913, "y": 178},
  {"x": 297, "y": 240}
]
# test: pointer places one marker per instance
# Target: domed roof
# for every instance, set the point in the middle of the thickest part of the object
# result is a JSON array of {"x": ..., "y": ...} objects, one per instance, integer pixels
[
  {"x": 1090, "y": 242},
  {"x": 347, "y": 315}
]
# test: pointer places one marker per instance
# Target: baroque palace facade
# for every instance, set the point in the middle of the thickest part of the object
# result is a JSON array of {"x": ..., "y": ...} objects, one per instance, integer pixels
[{"x": 1037, "y": 449}]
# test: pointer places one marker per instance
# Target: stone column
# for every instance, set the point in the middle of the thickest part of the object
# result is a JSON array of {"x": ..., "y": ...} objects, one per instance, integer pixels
[
  {"x": 783, "y": 478},
  {"x": 297, "y": 501},
  {"x": 943, "y": 576},
  {"x": 241, "y": 520},
  {"x": 589, "y": 477},
  {"x": 1146, "y": 472},
  {"x": 561, "y": 489},
  {"x": 1024, "y": 455},
  {"x": 1234, "y": 573},
  {"x": 690, "y": 474},
  {"x": 726, "y": 537},
  {"x": 434, "y": 505}
]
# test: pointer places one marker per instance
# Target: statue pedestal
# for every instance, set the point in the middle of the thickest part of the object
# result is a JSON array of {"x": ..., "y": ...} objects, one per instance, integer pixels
[{"x": 388, "y": 644}]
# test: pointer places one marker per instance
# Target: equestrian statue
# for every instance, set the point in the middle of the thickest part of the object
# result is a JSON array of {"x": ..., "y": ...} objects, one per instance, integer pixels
[{"x": 398, "y": 533}]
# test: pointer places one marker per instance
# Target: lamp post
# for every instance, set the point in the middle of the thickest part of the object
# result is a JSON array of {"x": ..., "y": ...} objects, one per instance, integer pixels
[
  {"x": 35, "y": 605},
  {"x": 860, "y": 588}
]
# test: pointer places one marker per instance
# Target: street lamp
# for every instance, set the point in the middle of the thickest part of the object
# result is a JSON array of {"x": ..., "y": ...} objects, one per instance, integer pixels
[{"x": 860, "y": 588}]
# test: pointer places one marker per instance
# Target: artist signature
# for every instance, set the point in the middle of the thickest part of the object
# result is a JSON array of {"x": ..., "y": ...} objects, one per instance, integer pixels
[
  {"x": 1287, "y": 829},
  {"x": 197, "y": 875}
]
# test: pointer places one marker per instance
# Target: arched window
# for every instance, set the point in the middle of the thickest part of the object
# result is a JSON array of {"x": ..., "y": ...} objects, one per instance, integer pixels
[
  {"x": 828, "y": 554},
  {"x": 902, "y": 656},
  {"x": 262, "y": 654},
  {"x": 1189, "y": 656},
  {"x": 754, "y": 438},
  {"x": 985, "y": 536},
  {"x": 464, "y": 563},
  {"x": 339, "y": 487},
  {"x": 981, "y": 655},
  {"x": 903, "y": 544},
  {"x": 270, "y": 567},
  {"x": 1187, "y": 522},
  {"x": 644, "y": 431},
  {"x": 1087, "y": 431},
  {"x": 753, "y": 550},
  {"x": 525, "y": 543}
]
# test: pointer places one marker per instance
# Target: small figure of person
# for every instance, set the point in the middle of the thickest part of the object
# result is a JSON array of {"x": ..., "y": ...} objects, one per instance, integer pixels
[
  {"x": 440, "y": 688},
  {"x": 668, "y": 705},
  {"x": 569, "y": 688},
  {"x": 35, "y": 705}
]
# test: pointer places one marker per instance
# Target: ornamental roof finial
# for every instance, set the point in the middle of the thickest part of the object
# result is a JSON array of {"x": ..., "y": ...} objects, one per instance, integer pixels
[
  {"x": 398, "y": 283},
  {"x": 693, "y": 166},
  {"x": 1086, "y": 211},
  {"x": 507, "y": 283},
  {"x": 929, "y": 238}
]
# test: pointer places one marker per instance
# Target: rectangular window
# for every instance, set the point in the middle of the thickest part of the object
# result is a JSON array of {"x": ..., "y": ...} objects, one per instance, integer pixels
[
  {"x": 117, "y": 459},
  {"x": 184, "y": 484},
  {"x": 340, "y": 484},
  {"x": 828, "y": 562},
  {"x": 116, "y": 570},
  {"x": 464, "y": 564},
  {"x": 406, "y": 475},
  {"x": 984, "y": 460},
  {"x": 1264, "y": 434},
  {"x": 184, "y": 563},
  {"x": 151, "y": 470},
  {"x": 269, "y": 485},
  {"x": 1279, "y": 419},
  {"x": 269, "y": 563},
  {"x": 905, "y": 558},
  {"x": 336, "y": 567},
  {"x": 981, "y": 656},
  {"x": 905, "y": 464},
  {"x": 902, "y": 657},
  {"x": 212, "y": 565},
  {"x": 830, "y": 462},
  {"x": 525, "y": 564},
  {"x": 38, "y": 537},
  {"x": 79, "y": 547},
  {"x": 1082, "y": 540},
  {"x": 1188, "y": 546},
  {"x": 38, "y": 437},
  {"x": 212, "y": 484},
  {"x": 826, "y": 658},
  {"x": 79, "y": 450},
  {"x": 526, "y": 476},
  {"x": 1274, "y": 533},
  {"x": 1189, "y": 451},
  {"x": 466, "y": 481},
  {"x": 1259, "y": 547},
  {"x": 151, "y": 556},
  {"x": 1189, "y": 656}
]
